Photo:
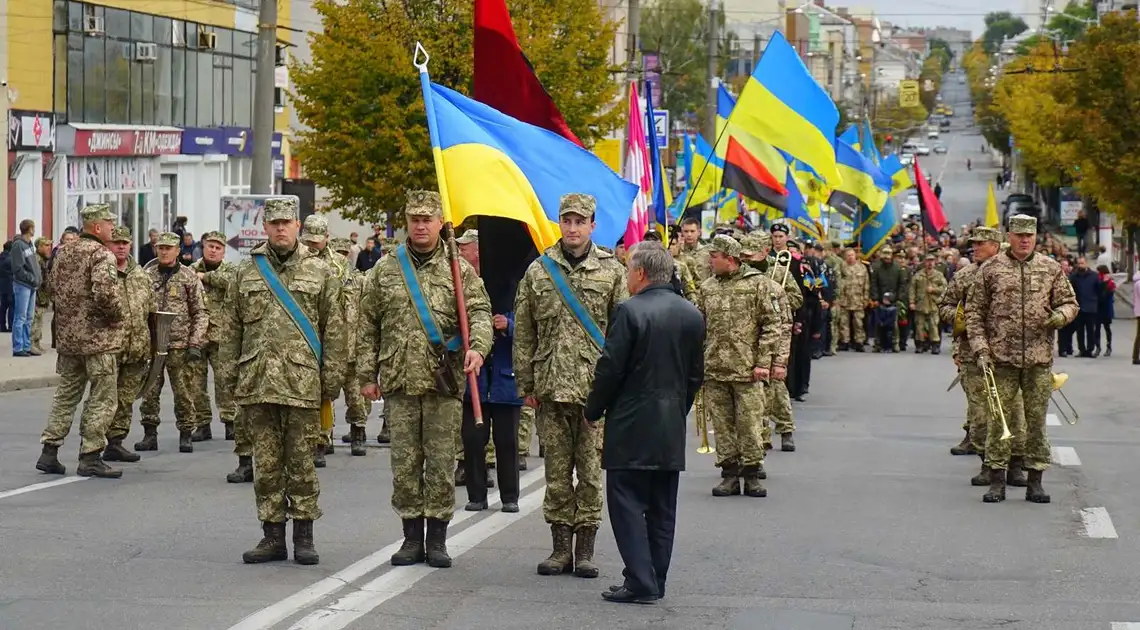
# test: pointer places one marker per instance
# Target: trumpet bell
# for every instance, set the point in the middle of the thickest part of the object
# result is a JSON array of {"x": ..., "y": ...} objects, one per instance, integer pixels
[{"x": 1059, "y": 380}]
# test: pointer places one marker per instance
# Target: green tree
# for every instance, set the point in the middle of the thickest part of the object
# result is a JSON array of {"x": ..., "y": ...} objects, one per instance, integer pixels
[
  {"x": 941, "y": 48},
  {"x": 932, "y": 70},
  {"x": 361, "y": 99},
  {"x": 1000, "y": 26},
  {"x": 1073, "y": 21},
  {"x": 677, "y": 31},
  {"x": 1033, "y": 105}
]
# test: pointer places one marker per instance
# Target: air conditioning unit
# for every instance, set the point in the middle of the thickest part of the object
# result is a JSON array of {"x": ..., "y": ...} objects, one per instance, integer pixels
[
  {"x": 93, "y": 25},
  {"x": 145, "y": 51},
  {"x": 207, "y": 40}
]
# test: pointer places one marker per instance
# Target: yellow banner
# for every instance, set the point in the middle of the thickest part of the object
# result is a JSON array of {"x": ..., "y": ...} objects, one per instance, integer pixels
[{"x": 609, "y": 151}]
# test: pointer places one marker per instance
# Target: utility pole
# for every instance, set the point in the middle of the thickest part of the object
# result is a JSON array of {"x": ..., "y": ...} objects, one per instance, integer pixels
[
  {"x": 261, "y": 179},
  {"x": 710, "y": 101},
  {"x": 632, "y": 59},
  {"x": 4, "y": 105}
]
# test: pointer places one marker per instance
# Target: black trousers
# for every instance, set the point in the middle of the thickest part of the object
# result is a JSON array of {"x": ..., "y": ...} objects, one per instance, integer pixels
[
  {"x": 501, "y": 422},
  {"x": 1087, "y": 334},
  {"x": 1065, "y": 338},
  {"x": 643, "y": 513},
  {"x": 7, "y": 310}
]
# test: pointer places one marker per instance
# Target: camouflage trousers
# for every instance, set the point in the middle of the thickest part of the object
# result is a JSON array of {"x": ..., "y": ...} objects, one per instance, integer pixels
[
  {"x": 424, "y": 430},
  {"x": 526, "y": 430},
  {"x": 356, "y": 414},
  {"x": 926, "y": 327},
  {"x": 75, "y": 372},
  {"x": 199, "y": 372},
  {"x": 179, "y": 367},
  {"x": 778, "y": 411},
  {"x": 38, "y": 328},
  {"x": 737, "y": 411},
  {"x": 285, "y": 484},
  {"x": 130, "y": 381},
  {"x": 978, "y": 412},
  {"x": 243, "y": 444},
  {"x": 1032, "y": 386},
  {"x": 572, "y": 445},
  {"x": 851, "y": 325}
]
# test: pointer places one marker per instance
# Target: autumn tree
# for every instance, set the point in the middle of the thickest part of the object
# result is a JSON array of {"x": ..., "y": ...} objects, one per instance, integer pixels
[
  {"x": 978, "y": 63},
  {"x": 1033, "y": 104},
  {"x": 933, "y": 68},
  {"x": 367, "y": 141},
  {"x": 677, "y": 31},
  {"x": 891, "y": 120}
]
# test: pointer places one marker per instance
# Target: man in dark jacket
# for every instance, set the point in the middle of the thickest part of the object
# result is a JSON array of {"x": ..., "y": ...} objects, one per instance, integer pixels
[
  {"x": 26, "y": 280},
  {"x": 6, "y": 297},
  {"x": 644, "y": 384},
  {"x": 1087, "y": 286}
]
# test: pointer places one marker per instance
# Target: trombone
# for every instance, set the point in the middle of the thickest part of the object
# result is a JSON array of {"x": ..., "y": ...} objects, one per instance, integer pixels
[
  {"x": 995, "y": 401},
  {"x": 1058, "y": 381},
  {"x": 703, "y": 423}
]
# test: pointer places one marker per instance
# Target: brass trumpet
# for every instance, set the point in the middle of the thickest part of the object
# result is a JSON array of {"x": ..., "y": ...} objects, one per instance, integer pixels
[
  {"x": 1059, "y": 379},
  {"x": 703, "y": 424},
  {"x": 995, "y": 401}
]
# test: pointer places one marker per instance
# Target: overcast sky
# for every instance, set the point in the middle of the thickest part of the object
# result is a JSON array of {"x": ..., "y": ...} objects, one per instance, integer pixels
[{"x": 965, "y": 14}]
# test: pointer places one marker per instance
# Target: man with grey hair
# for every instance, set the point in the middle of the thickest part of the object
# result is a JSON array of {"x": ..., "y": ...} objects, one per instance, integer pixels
[{"x": 654, "y": 344}]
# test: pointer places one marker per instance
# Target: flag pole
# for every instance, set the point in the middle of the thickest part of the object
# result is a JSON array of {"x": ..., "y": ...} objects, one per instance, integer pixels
[{"x": 448, "y": 228}]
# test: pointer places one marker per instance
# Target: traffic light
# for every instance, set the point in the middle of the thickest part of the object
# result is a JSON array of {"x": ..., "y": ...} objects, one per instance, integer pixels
[{"x": 888, "y": 138}]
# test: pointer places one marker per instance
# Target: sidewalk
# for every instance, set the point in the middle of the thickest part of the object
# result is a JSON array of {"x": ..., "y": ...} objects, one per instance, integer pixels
[{"x": 18, "y": 373}]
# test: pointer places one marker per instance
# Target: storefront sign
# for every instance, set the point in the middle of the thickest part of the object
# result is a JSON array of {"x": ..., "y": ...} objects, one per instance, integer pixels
[
  {"x": 98, "y": 142},
  {"x": 242, "y": 225},
  {"x": 222, "y": 141},
  {"x": 30, "y": 131}
]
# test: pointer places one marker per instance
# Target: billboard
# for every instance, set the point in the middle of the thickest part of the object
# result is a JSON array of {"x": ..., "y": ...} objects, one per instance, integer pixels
[{"x": 241, "y": 223}]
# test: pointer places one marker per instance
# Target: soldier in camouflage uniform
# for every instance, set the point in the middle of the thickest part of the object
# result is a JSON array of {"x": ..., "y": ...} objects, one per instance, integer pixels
[
  {"x": 745, "y": 321},
  {"x": 926, "y": 286},
  {"x": 854, "y": 294},
  {"x": 279, "y": 379},
  {"x": 177, "y": 290},
  {"x": 693, "y": 254},
  {"x": 1016, "y": 302},
  {"x": 554, "y": 360},
  {"x": 215, "y": 274},
  {"x": 43, "y": 295},
  {"x": 89, "y": 337},
  {"x": 138, "y": 303},
  {"x": 834, "y": 261},
  {"x": 422, "y": 382},
  {"x": 778, "y": 404},
  {"x": 357, "y": 408}
]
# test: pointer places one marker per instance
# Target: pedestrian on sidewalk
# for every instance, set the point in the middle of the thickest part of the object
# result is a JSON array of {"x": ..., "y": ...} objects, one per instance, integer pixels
[
  {"x": 645, "y": 382},
  {"x": 6, "y": 298},
  {"x": 1105, "y": 311},
  {"x": 26, "y": 279}
]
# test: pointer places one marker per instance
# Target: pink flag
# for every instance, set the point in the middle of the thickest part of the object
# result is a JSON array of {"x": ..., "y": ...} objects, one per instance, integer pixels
[{"x": 637, "y": 171}]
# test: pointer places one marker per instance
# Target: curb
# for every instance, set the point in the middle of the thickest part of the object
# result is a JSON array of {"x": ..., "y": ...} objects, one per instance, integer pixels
[{"x": 36, "y": 382}]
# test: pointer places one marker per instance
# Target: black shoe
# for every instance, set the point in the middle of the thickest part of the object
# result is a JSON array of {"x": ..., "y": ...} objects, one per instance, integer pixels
[
  {"x": 149, "y": 441},
  {"x": 116, "y": 453},
  {"x": 185, "y": 442},
  {"x": 271, "y": 548},
  {"x": 49, "y": 461},
  {"x": 625, "y": 596},
  {"x": 244, "y": 471},
  {"x": 202, "y": 433},
  {"x": 230, "y": 432},
  {"x": 304, "y": 550},
  {"x": 511, "y": 507},
  {"x": 475, "y": 506},
  {"x": 92, "y": 465}
]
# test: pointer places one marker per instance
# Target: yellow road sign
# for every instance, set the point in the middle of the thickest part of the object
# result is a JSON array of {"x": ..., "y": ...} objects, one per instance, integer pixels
[{"x": 908, "y": 94}]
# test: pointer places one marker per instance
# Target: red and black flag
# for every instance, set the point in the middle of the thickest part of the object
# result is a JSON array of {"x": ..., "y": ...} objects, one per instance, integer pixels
[
  {"x": 933, "y": 220},
  {"x": 748, "y": 176}
]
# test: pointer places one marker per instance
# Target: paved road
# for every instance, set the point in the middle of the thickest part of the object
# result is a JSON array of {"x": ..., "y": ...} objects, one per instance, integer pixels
[{"x": 871, "y": 525}]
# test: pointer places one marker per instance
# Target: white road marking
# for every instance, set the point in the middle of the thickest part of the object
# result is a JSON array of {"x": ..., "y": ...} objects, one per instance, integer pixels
[
  {"x": 355, "y": 605},
  {"x": 1098, "y": 524},
  {"x": 1125, "y": 625},
  {"x": 1065, "y": 456},
  {"x": 270, "y": 615},
  {"x": 41, "y": 486},
  {"x": 1051, "y": 420}
]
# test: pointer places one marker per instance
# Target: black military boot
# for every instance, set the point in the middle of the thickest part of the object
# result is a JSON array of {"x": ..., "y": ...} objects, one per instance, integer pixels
[
  {"x": 1034, "y": 493},
  {"x": 996, "y": 493},
  {"x": 522, "y": 462},
  {"x": 752, "y": 486},
  {"x": 244, "y": 471},
  {"x": 919, "y": 347},
  {"x": 357, "y": 446},
  {"x": 964, "y": 447},
  {"x": 229, "y": 431},
  {"x": 271, "y": 548},
  {"x": 561, "y": 559},
  {"x": 412, "y": 551},
  {"x": 91, "y": 465},
  {"x": 116, "y": 453},
  {"x": 49, "y": 461},
  {"x": 760, "y": 472},
  {"x": 330, "y": 448},
  {"x": 584, "y": 537},
  {"x": 202, "y": 433},
  {"x": 384, "y": 436},
  {"x": 304, "y": 551},
  {"x": 436, "y": 544},
  {"x": 982, "y": 478},
  {"x": 149, "y": 441},
  {"x": 936, "y": 347},
  {"x": 185, "y": 442},
  {"x": 1015, "y": 474},
  {"x": 787, "y": 442},
  {"x": 347, "y": 437},
  {"x": 319, "y": 456},
  {"x": 729, "y": 483}
]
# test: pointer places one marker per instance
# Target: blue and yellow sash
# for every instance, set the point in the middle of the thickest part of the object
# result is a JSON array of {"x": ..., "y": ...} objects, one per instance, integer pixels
[
  {"x": 570, "y": 299},
  {"x": 285, "y": 299},
  {"x": 423, "y": 311}
]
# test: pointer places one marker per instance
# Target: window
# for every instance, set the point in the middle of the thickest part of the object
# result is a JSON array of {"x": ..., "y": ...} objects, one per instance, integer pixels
[
  {"x": 142, "y": 27},
  {"x": 94, "y": 103},
  {"x": 118, "y": 83},
  {"x": 59, "y": 73},
  {"x": 74, "y": 77},
  {"x": 117, "y": 24},
  {"x": 205, "y": 88},
  {"x": 163, "y": 80}
]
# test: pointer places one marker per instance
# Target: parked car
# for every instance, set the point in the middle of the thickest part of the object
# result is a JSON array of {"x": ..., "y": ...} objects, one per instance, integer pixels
[
  {"x": 932, "y": 134},
  {"x": 922, "y": 149},
  {"x": 910, "y": 206},
  {"x": 940, "y": 149}
]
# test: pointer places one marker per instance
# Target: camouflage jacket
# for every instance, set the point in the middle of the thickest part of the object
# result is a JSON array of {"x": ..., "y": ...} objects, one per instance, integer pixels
[
  {"x": 392, "y": 347},
  {"x": 1009, "y": 304},
  {"x": 744, "y": 325},
  {"x": 925, "y": 289},
  {"x": 138, "y": 304},
  {"x": 265, "y": 357},
  {"x": 854, "y": 287},
  {"x": 180, "y": 292},
  {"x": 43, "y": 293},
  {"x": 553, "y": 356},
  {"x": 783, "y": 276},
  {"x": 787, "y": 321},
  {"x": 214, "y": 285},
  {"x": 697, "y": 258},
  {"x": 689, "y": 284},
  {"x": 350, "y": 294},
  {"x": 956, "y": 293},
  {"x": 85, "y": 283},
  {"x": 338, "y": 262}
]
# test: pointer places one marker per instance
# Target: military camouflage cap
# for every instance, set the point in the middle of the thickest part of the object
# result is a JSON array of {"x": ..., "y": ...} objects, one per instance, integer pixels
[
  {"x": 97, "y": 212},
  {"x": 169, "y": 239},
  {"x": 754, "y": 243},
  {"x": 726, "y": 245},
  {"x": 930, "y": 257},
  {"x": 981, "y": 234},
  {"x": 121, "y": 234},
  {"x": 316, "y": 229},
  {"x": 280, "y": 209},
  {"x": 1022, "y": 224},
  {"x": 215, "y": 236},
  {"x": 41, "y": 241},
  {"x": 423, "y": 203},
  {"x": 580, "y": 204},
  {"x": 470, "y": 236},
  {"x": 340, "y": 244},
  {"x": 887, "y": 250}
]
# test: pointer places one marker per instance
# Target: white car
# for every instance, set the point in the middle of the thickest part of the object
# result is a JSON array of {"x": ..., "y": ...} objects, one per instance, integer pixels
[
  {"x": 932, "y": 134},
  {"x": 910, "y": 206},
  {"x": 922, "y": 149},
  {"x": 906, "y": 159}
]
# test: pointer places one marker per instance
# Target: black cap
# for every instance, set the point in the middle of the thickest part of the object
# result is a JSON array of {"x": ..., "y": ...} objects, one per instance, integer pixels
[{"x": 779, "y": 227}]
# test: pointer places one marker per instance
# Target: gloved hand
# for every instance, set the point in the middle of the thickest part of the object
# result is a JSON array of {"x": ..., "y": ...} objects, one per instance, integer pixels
[
  {"x": 985, "y": 360},
  {"x": 195, "y": 354},
  {"x": 1056, "y": 320}
]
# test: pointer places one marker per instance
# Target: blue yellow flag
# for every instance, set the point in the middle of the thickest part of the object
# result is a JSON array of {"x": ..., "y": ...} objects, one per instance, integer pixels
[
  {"x": 863, "y": 183},
  {"x": 705, "y": 178},
  {"x": 851, "y": 136},
  {"x": 727, "y": 129},
  {"x": 900, "y": 176},
  {"x": 489, "y": 164}
]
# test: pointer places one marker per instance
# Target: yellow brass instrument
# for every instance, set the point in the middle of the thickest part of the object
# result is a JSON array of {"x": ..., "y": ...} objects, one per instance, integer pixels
[
  {"x": 960, "y": 320},
  {"x": 784, "y": 258},
  {"x": 995, "y": 401},
  {"x": 1058, "y": 381},
  {"x": 703, "y": 424}
]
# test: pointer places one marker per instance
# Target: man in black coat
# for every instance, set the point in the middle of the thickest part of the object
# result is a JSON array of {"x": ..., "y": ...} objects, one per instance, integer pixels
[{"x": 644, "y": 384}]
